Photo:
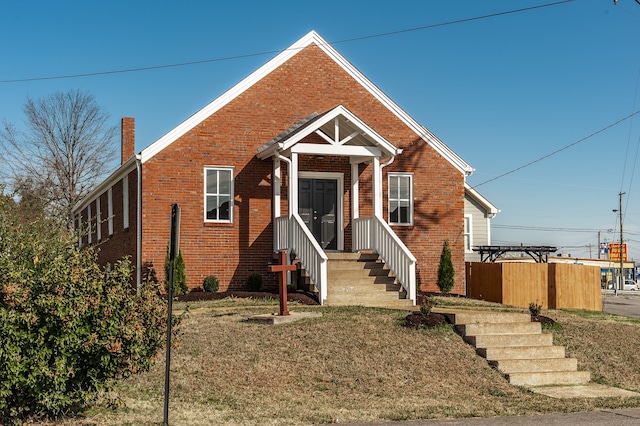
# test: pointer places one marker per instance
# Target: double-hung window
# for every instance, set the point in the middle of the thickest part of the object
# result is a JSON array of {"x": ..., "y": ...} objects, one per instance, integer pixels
[
  {"x": 467, "y": 233},
  {"x": 401, "y": 198},
  {"x": 218, "y": 198}
]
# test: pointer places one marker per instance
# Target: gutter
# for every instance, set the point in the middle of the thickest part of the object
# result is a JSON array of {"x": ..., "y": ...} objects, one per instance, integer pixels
[{"x": 139, "y": 224}]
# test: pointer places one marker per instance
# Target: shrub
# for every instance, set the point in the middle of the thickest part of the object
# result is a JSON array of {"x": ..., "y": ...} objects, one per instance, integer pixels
[
  {"x": 426, "y": 305},
  {"x": 535, "y": 309},
  {"x": 179, "y": 274},
  {"x": 254, "y": 282},
  {"x": 69, "y": 329},
  {"x": 210, "y": 284},
  {"x": 446, "y": 273}
]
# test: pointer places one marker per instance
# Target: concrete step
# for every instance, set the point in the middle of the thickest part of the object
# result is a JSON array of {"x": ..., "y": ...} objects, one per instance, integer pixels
[
  {"x": 376, "y": 281},
  {"x": 337, "y": 265},
  {"x": 473, "y": 317},
  {"x": 509, "y": 366},
  {"x": 521, "y": 352},
  {"x": 352, "y": 256},
  {"x": 354, "y": 292},
  {"x": 363, "y": 289},
  {"x": 373, "y": 303},
  {"x": 356, "y": 273},
  {"x": 549, "y": 378},
  {"x": 477, "y": 329},
  {"x": 492, "y": 340}
]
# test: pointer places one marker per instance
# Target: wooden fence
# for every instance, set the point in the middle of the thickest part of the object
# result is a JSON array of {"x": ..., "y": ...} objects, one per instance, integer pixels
[{"x": 552, "y": 285}]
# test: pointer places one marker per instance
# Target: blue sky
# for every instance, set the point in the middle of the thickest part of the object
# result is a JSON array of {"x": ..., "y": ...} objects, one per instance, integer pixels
[{"x": 501, "y": 91}]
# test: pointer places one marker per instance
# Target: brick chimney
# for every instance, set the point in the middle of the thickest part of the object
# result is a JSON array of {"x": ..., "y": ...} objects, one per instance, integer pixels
[{"x": 128, "y": 135}]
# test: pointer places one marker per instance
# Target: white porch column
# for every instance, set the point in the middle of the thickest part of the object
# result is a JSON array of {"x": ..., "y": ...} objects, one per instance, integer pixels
[
  {"x": 355, "y": 202},
  {"x": 277, "y": 184},
  {"x": 293, "y": 184},
  {"x": 377, "y": 187}
]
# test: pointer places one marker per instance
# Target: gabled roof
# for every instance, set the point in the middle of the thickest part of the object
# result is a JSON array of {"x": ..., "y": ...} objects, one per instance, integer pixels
[
  {"x": 490, "y": 208},
  {"x": 309, "y": 39},
  {"x": 338, "y": 127}
]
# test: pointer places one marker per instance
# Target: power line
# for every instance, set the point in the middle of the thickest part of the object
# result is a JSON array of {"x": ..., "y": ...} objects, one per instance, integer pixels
[
  {"x": 559, "y": 150},
  {"x": 271, "y": 52}
]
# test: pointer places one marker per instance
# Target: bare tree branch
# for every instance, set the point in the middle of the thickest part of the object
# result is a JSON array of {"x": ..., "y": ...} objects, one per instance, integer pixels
[{"x": 67, "y": 148}]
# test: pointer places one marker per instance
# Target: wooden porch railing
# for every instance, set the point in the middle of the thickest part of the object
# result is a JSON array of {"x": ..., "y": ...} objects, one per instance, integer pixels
[
  {"x": 373, "y": 233},
  {"x": 293, "y": 234}
]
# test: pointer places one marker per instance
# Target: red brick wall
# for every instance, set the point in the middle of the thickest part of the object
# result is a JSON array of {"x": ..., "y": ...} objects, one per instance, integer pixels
[
  {"x": 122, "y": 242},
  {"x": 308, "y": 82}
]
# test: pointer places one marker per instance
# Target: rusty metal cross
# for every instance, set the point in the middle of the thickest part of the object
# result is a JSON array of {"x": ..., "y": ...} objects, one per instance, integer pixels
[{"x": 282, "y": 268}]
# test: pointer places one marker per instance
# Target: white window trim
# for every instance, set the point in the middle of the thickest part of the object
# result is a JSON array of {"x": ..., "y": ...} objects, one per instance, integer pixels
[
  {"x": 470, "y": 232},
  {"x": 125, "y": 202},
  {"x": 110, "y": 210},
  {"x": 231, "y": 195},
  {"x": 98, "y": 220},
  {"x": 411, "y": 205},
  {"x": 89, "y": 239}
]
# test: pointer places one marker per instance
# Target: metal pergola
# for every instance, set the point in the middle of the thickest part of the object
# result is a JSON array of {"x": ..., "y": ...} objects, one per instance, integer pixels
[{"x": 491, "y": 253}]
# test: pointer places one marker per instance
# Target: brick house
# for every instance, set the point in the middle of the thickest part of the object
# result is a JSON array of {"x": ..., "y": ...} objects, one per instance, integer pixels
[{"x": 304, "y": 154}]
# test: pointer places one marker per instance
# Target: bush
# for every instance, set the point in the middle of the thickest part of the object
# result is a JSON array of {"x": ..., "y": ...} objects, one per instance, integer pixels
[
  {"x": 254, "y": 282},
  {"x": 535, "y": 308},
  {"x": 210, "y": 284},
  {"x": 446, "y": 273},
  {"x": 179, "y": 274},
  {"x": 69, "y": 328},
  {"x": 426, "y": 306}
]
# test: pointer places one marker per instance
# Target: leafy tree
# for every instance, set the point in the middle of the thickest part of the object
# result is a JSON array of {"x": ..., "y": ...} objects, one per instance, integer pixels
[
  {"x": 446, "y": 273},
  {"x": 69, "y": 328},
  {"x": 64, "y": 152}
]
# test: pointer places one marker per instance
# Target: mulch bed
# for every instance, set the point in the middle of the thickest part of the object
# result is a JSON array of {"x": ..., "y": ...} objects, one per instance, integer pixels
[
  {"x": 417, "y": 320},
  {"x": 297, "y": 296}
]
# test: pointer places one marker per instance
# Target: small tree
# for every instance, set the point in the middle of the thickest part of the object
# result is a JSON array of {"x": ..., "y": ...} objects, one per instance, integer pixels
[
  {"x": 446, "y": 273},
  {"x": 179, "y": 273}
]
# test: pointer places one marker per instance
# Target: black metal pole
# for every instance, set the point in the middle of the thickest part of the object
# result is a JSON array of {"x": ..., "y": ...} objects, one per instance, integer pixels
[{"x": 173, "y": 252}]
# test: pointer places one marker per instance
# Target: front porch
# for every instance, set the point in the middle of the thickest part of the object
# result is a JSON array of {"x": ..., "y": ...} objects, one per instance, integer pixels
[{"x": 315, "y": 222}]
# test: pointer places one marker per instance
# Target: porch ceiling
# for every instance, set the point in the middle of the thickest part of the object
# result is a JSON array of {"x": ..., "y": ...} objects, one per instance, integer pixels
[{"x": 338, "y": 127}]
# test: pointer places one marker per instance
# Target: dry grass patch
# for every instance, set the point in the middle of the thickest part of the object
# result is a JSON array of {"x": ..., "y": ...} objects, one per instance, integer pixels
[{"x": 352, "y": 364}]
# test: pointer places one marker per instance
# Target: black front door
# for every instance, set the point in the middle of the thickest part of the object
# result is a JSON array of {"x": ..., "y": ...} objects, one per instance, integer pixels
[{"x": 317, "y": 203}]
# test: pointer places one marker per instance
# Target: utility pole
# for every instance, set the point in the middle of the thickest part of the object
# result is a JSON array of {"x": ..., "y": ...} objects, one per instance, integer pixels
[{"x": 621, "y": 282}]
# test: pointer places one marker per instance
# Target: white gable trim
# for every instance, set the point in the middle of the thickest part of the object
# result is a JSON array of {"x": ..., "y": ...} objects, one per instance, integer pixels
[
  {"x": 288, "y": 143},
  {"x": 311, "y": 38},
  {"x": 227, "y": 97},
  {"x": 491, "y": 209}
]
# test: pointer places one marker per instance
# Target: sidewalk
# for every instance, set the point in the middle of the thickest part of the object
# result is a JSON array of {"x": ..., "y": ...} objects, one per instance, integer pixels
[{"x": 619, "y": 417}]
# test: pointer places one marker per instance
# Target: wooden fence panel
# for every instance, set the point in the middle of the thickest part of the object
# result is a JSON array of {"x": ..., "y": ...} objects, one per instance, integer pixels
[
  {"x": 484, "y": 281},
  {"x": 525, "y": 283},
  {"x": 574, "y": 287},
  {"x": 553, "y": 285}
]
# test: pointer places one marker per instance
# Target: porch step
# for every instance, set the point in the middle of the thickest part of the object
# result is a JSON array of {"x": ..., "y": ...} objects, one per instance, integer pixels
[
  {"x": 518, "y": 348},
  {"x": 362, "y": 279}
]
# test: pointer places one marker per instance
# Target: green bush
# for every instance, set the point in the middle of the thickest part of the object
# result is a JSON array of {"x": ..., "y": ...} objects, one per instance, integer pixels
[
  {"x": 254, "y": 282},
  {"x": 446, "y": 273},
  {"x": 69, "y": 328},
  {"x": 211, "y": 284},
  {"x": 179, "y": 274}
]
